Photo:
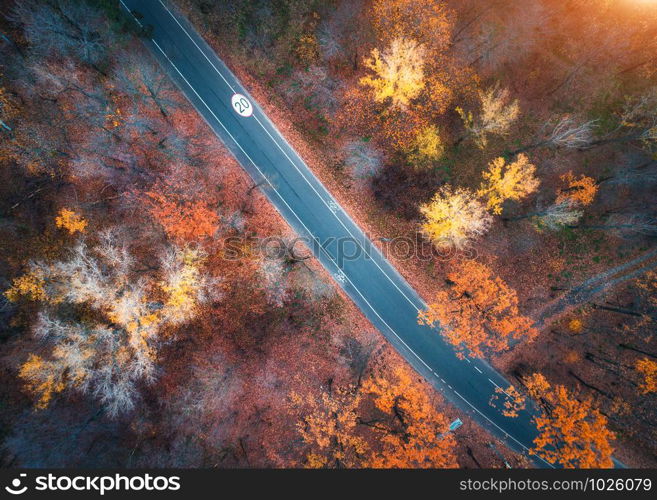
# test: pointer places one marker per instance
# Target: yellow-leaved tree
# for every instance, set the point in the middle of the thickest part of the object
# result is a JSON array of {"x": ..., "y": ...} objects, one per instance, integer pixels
[
  {"x": 427, "y": 147},
  {"x": 496, "y": 115},
  {"x": 111, "y": 344},
  {"x": 398, "y": 72},
  {"x": 454, "y": 217},
  {"x": 71, "y": 221},
  {"x": 508, "y": 181}
]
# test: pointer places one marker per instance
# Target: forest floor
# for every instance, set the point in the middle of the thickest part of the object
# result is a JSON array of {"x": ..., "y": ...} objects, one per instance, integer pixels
[
  {"x": 541, "y": 268},
  {"x": 473, "y": 443}
]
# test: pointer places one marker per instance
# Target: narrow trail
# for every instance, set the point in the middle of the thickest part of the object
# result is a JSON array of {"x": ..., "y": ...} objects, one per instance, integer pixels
[{"x": 594, "y": 286}]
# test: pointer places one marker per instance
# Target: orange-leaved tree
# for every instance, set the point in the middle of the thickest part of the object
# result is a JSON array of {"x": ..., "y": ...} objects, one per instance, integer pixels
[
  {"x": 184, "y": 216},
  {"x": 513, "y": 401},
  {"x": 572, "y": 433},
  {"x": 477, "y": 311},
  {"x": 415, "y": 434},
  {"x": 327, "y": 424},
  {"x": 648, "y": 369},
  {"x": 390, "y": 421},
  {"x": 428, "y": 21},
  {"x": 578, "y": 191}
]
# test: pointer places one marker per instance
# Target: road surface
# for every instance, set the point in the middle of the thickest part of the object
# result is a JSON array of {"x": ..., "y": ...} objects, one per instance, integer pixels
[{"x": 369, "y": 279}]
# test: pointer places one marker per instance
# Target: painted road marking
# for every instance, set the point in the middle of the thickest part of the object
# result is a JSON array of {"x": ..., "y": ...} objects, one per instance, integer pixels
[
  {"x": 477, "y": 368},
  {"x": 131, "y": 13},
  {"x": 494, "y": 384},
  {"x": 297, "y": 217},
  {"x": 328, "y": 255},
  {"x": 241, "y": 105},
  {"x": 423, "y": 305}
]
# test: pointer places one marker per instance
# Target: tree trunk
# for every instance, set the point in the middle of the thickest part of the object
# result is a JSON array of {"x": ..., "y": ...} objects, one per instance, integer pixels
[
  {"x": 529, "y": 147},
  {"x": 590, "y": 386},
  {"x": 632, "y": 348},
  {"x": 618, "y": 310},
  {"x": 474, "y": 459}
]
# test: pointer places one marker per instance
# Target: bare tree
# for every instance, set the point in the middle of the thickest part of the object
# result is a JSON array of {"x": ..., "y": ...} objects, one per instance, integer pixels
[
  {"x": 638, "y": 116},
  {"x": 495, "y": 116},
  {"x": 555, "y": 216},
  {"x": 39, "y": 143},
  {"x": 340, "y": 35},
  {"x": 317, "y": 86},
  {"x": 363, "y": 159},
  {"x": 111, "y": 348},
  {"x": 626, "y": 225},
  {"x": 642, "y": 175},
  {"x": 145, "y": 82},
  {"x": 566, "y": 133},
  {"x": 63, "y": 28},
  {"x": 357, "y": 356},
  {"x": 274, "y": 280}
]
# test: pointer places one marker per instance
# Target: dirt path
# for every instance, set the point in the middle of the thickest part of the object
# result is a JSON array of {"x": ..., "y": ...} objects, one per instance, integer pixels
[{"x": 595, "y": 286}]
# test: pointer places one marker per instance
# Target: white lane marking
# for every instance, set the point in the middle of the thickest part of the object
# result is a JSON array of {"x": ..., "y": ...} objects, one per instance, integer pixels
[
  {"x": 286, "y": 204},
  {"x": 196, "y": 45},
  {"x": 241, "y": 105},
  {"x": 310, "y": 233},
  {"x": 338, "y": 218},
  {"x": 502, "y": 430},
  {"x": 501, "y": 390},
  {"x": 424, "y": 306},
  {"x": 477, "y": 368},
  {"x": 130, "y": 12},
  {"x": 467, "y": 360},
  {"x": 494, "y": 384}
]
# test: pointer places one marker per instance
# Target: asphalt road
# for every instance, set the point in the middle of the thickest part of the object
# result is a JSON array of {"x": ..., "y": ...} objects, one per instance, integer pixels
[{"x": 369, "y": 279}]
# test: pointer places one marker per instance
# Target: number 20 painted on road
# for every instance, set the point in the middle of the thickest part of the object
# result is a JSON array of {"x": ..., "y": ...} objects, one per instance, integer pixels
[{"x": 241, "y": 105}]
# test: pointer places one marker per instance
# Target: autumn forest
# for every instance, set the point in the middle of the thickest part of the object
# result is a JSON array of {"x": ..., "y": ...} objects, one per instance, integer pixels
[{"x": 513, "y": 141}]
